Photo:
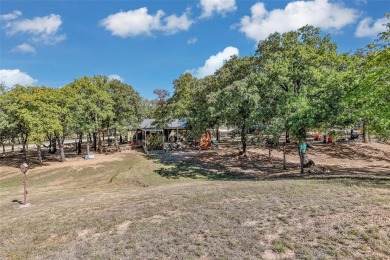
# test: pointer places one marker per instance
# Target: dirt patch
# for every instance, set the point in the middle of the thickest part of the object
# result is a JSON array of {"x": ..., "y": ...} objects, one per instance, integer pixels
[{"x": 334, "y": 159}]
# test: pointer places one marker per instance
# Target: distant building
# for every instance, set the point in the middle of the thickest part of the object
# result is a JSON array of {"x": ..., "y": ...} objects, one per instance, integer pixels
[{"x": 170, "y": 133}]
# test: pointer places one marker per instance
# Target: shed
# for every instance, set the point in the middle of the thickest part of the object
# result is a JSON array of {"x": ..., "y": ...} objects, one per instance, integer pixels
[{"x": 170, "y": 133}]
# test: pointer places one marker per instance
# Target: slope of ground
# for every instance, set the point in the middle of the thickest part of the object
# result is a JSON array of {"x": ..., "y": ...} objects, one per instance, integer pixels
[{"x": 201, "y": 205}]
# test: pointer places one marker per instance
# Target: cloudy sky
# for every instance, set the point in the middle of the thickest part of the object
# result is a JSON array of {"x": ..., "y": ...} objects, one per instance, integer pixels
[{"x": 148, "y": 44}]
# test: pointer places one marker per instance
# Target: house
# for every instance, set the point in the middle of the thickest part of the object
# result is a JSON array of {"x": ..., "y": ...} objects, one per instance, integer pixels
[{"x": 148, "y": 129}]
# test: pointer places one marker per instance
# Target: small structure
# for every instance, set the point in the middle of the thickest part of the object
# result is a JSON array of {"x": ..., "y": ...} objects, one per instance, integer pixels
[{"x": 152, "y": 137}]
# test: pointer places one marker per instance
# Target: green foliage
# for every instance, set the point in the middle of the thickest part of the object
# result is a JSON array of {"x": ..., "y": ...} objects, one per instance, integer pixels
[
  {"x": 90, "y": 103},
  {"x": 84, "y": 106},
  {"x": 155, "y": 142},
  {"x": 238, "y": 104},
  {"x": 126, "y": 106},
  {"x": 369, "y": 93},
  {"x": 147, "y": 108},
  {"x": 302, "y": 68}
]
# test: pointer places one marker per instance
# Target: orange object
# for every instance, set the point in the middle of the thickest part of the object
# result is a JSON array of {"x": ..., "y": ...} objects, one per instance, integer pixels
[{"x": 205, "y": 142}]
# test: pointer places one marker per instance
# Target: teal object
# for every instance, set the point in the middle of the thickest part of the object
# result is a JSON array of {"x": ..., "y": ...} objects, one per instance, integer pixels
[{"x": 303, "y": 147}]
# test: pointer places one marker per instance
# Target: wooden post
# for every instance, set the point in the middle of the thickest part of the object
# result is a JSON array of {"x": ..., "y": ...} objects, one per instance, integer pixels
[{"x": 24, "y": 169}]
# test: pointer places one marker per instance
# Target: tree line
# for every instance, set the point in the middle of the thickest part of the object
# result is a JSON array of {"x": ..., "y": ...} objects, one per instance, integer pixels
[
  {"x": 294, "y": 82},
  {"x": 84, "y": 107}
]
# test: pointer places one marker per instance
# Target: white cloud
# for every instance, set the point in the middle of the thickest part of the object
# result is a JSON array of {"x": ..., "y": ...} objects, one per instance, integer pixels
[
  {"x": 24, "y": 48},
  {"x": 174, "y": 24},
  {"x": 215, "y": 62},
  {"x": 115, "y": 76},
  {"x": 6, "y": 17},
  {"x": 13, "y": 77},
  {"x": 319, "y": 13},
  {"x": 369, "y": 28},
  {"x": 193, "y": 40},
  {"x": 210, "y": 7},
  {"x": 139, "y": 22},
  {"x": 43, "y": 30}
]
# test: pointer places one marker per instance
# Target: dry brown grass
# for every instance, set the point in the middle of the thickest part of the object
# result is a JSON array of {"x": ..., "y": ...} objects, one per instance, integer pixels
[{"x": 188, "y": 206}]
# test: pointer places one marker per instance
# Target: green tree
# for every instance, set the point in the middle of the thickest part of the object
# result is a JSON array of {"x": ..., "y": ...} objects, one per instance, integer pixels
[
  {"x": 31, "y": 113},
  {"x": 239, "y": 104},
  {"x": 297, "y": 64},
  {"x": 42, "y": 114},
  {"x": 5, "y": 122},
  {"x": 368, "y": 95},
  {"x": 180, "y": 103},
  {"x": 91, "y": 105},
  {"x": 18, "y": 115},
  {"x": 147, "y": 108},
  {"x": 162, "y": 112},
  {"x": 126, "y": 107}
]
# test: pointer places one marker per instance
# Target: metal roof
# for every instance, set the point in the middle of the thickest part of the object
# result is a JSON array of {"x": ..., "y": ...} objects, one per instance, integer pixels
[{"x": 174, "y": 124}]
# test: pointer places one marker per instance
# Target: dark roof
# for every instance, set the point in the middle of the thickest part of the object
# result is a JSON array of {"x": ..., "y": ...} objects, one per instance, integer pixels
[
  {"x": 148, "y": 124},
  {"x": 174, "y": 124}
]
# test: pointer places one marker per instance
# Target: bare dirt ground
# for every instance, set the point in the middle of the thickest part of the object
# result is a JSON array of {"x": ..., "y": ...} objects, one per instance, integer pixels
[
  {"x": 355, "y": 158},
  {"x": 190, "y": 204},
  {"x": 351, "y": 159}
]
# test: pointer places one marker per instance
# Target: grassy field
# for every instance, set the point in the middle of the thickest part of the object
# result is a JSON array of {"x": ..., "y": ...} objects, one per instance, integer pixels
[{"x": 134, "y": 207}]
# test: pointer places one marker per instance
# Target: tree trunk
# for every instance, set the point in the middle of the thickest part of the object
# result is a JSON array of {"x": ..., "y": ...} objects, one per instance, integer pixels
[
  {"x": 284, "y": 157},
  {"x": 301, "y": 159},
  {"x": 116, "y": 142},
  {"x": 88, "y": 138},
  {"x": 79, "y": 144},
  {"x": 94, "y": 141},
  {"x": 39, "y": 150},
  {"x": 25, "y": 147},
  {"x": 120, "y": 138},
  {"x": 287, "y": 137},
  {"x": 13, "y": 144},
  {"x": 269, "y": 154},
  {"x": 217, "y": 131},
  {"x": 50, "y": 142},
  {"x": 243, "y": 139},
  {"x": 3, "y": 148},
  {"x": 61, "y": 146},
  {"x": 54, "y": 144},
  {"x": 325, "y": 139},
  {"x": 100, "y": 142},
  {"x": 365, "y": 132}
]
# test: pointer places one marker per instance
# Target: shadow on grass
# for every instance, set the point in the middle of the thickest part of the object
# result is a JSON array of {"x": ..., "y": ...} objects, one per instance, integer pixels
[
  {"x": 186, "y": 170},
  {"x": 17, "y": 201},
  {"x": 15, "y": 159},
  {"x": 353, "y": 151},
  {"x": 216, "y": 165}
]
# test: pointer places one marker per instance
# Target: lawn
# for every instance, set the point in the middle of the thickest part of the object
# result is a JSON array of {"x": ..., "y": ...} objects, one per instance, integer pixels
[{"x": 207, "y": 205}]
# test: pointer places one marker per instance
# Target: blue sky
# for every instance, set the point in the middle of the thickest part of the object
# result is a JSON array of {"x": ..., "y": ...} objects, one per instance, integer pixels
[{"x": 148, "y": 44}]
